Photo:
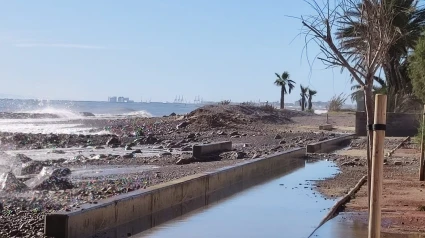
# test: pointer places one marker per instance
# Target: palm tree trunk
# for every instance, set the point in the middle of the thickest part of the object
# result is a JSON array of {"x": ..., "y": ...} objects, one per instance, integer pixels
[
  {"x": 310, "y": 103},
  {"x": 282, "y": 98}
]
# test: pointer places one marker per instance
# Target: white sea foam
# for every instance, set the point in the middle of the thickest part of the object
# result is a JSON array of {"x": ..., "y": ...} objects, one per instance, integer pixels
[
  {"x": 44, "y": 128},
  {"x": 62, "y": 113},
  {"x": 320, "y": 111},
  {"x": 127, "y": 114},
  {"x": 65, "y": 124}
]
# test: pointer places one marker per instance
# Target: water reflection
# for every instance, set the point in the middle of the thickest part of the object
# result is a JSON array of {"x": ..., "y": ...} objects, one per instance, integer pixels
[{"x": 283, "y": 207}]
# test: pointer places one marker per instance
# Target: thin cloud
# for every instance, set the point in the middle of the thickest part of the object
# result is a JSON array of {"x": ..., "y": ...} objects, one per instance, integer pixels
[{"x": 71, "y": 46}]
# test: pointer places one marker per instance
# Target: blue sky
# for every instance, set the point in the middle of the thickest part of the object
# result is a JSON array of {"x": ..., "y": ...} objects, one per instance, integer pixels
[{"x": 222, "y": 49}]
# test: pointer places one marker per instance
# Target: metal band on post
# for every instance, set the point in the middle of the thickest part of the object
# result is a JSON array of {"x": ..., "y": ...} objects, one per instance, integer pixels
[
  {"x": 369, "y": 127},
  {"x": 379, "y": 127}
]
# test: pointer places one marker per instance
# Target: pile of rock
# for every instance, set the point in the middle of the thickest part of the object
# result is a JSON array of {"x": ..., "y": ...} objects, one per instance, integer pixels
[{"x": 46, "y": 178}]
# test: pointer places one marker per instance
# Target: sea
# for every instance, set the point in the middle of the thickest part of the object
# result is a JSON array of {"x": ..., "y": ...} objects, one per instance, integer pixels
[{"x": 69, "y": 114}]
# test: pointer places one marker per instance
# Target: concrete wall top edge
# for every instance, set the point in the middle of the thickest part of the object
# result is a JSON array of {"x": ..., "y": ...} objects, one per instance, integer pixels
[
  {"x": 214, "y": 143},
  {"x": 123, "y": 197},
  {"x": 345, "y": 136},
  {"x": 128, "y": 196}
]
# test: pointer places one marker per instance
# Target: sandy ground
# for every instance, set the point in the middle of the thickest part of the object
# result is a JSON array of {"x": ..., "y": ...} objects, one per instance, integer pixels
[{"x": 403, "y": 203}]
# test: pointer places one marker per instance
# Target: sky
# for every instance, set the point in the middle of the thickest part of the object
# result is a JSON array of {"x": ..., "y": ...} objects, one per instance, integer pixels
[{"x": 157, "y": 49}]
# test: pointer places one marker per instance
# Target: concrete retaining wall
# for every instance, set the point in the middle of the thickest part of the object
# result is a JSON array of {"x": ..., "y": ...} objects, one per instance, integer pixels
[
  {"x": 134, "y": 212},
  {"x": 398, "y": 124},
  {"x": 199, "y": 150},
  {"x": 329, "y": 145}
]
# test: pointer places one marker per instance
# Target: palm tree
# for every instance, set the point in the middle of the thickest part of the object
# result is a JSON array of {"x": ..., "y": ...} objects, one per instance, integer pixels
[
  {"x": 311, "y": 93},
  {"x": 408, "y": 22},
  {"x": 282, "y": 81},
  {"x": 381, "y": 88},
  {"x": 303, "y": 95}
]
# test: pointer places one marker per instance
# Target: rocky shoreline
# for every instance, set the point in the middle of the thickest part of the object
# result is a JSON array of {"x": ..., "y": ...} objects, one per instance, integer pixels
[{"x": 160, "y": 147}]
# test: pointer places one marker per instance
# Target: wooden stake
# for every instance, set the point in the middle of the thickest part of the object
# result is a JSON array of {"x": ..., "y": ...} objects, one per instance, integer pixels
[
  {"x": 422, "y": 170},
  {"x": 377, "y": 165},
  {"x": 327, "y": 118}
]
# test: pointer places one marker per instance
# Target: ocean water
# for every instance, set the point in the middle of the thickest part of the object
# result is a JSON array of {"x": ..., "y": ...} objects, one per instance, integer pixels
[
  {"x": 69, "y": 117},
  {"x": 69, "y": 109}
]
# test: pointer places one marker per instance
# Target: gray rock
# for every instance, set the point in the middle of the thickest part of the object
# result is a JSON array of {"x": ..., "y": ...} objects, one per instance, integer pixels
[
  {"x": 100, "y": 156},
  {"x": 278, "y": 137},
  {"x": 22, "y": 158},
  {"x": 78, "y": 158},
  {"x": 277, "y": 148},
  {"x": 50, "y": 179},
  {"x": 255, "y": 156},
  {"x": 58, "y": 152},
  {"x": 128, "y": 156},
  {"x": 182, "y": 125},
  {"x": 185, "y": 160},
  {"x": 32, "y": 167},
  {"x": 235, "y": 133},
  {"x": 165, "y": 154},
  {"x": 87, "y": 114},
  {"x": 349, "y": 163},
  {"x": 282, "y": 142},
  {"x": 9, "y": 183},
  {"x": 186, "y": 148},
  {"x": 221, "y": 133},
  {"x": 113, "y": 141},
  {"x": 191, "y": 135},
  {"x": 398, "y": 163}
]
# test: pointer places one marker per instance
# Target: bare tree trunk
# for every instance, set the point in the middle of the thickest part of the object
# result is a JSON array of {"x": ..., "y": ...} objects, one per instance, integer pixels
[
  {"x": 302, "y": 103},
  {"x": 282, "y": 98},
  {"x": 369, "y": 115}
]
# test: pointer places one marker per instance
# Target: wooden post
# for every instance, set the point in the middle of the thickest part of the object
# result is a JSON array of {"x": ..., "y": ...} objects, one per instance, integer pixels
[
  {"x": 377, "y": 165},
  {"x": 327, "y": 118},
  {"x": 422, "y": 170}
]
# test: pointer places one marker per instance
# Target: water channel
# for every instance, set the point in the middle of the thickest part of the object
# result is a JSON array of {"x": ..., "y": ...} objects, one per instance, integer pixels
[
  {"x": 284, "y": 207},
  {"x": 288, "y": 206}
]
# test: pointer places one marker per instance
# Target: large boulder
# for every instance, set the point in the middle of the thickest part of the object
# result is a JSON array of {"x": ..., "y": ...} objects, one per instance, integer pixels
[
  {"x": 22, "y": 158},
  {"x": 9, "y": 183},
  {"x": 21, "y": 164},
  {"x": 113, "y": 141},
  {"x": 51, "y": 179},
  {"x": 32, "y": 167}
]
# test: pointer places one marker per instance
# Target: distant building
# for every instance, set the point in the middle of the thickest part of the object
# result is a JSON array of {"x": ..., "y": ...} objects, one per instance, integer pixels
[
  {"x": 119, "y": 99},
  {"x": 123, "y": 99},
  {"x": 112, "y": 99}
]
